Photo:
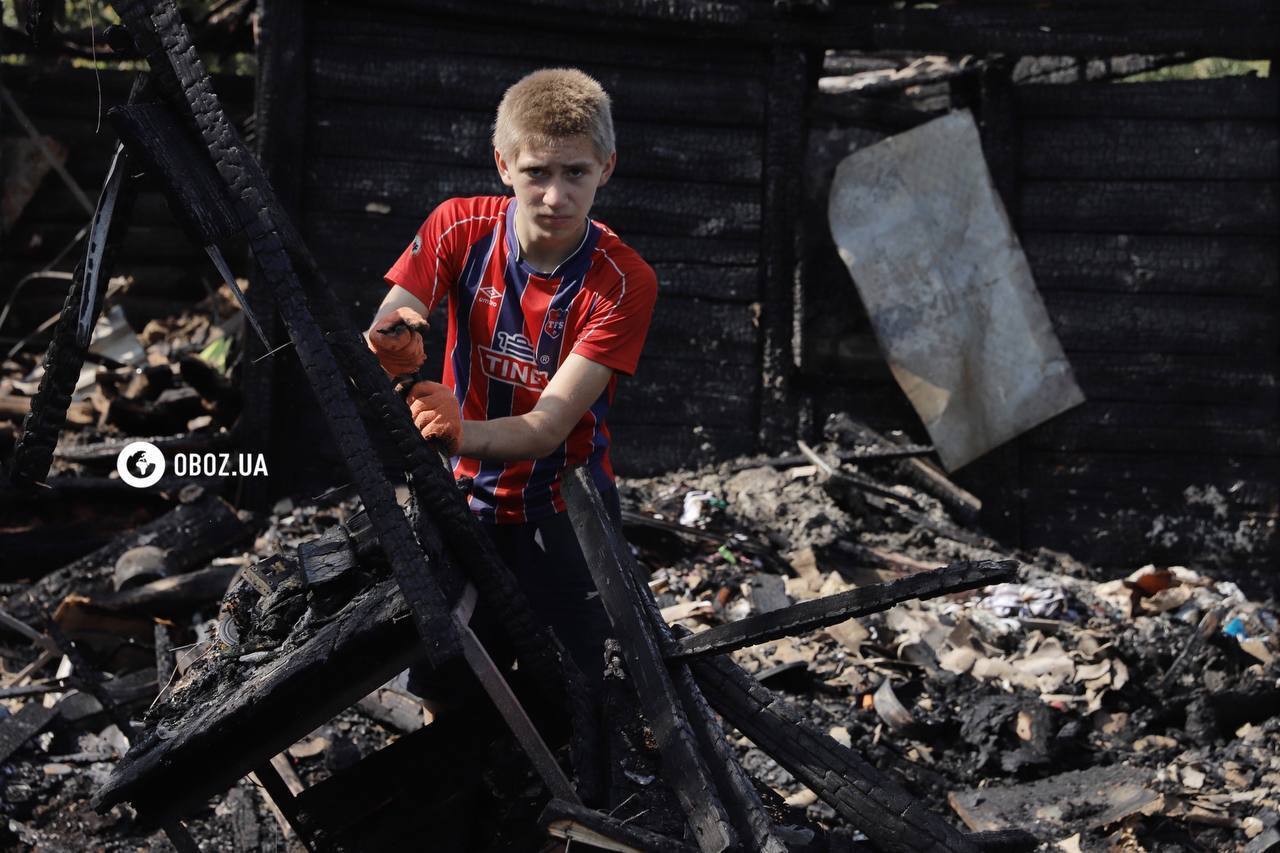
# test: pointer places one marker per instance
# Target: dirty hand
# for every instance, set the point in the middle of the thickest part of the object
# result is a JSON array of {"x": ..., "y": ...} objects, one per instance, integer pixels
[
  {"x": 436, "y": 414},
  {"x": 396, "y": 339}
]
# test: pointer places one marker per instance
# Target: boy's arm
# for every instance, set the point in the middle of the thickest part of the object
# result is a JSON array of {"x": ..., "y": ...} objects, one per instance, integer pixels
[
  {"x": 397, "y": 297},
  {"x": 577, "y": 383}
]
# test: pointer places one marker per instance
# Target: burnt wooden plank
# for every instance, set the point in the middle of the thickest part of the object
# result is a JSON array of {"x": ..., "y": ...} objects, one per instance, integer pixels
[
  {"x": 268, "y": 708},
  {"x": 1188, "y": 379},
  {"x": 579, "y": 823},
  {"x": 641, "y": 449},
  {"x": 17, "y": 729},
  {"x": 613, "y": 570},
  {"x": 1223, "y": 98},
  {"x": 1153, "y": 149},
  {"x": 629, "y": 205},
  {"x": 409, "y": 77},
  {"x": 718, "y": 330},
  {"x": 820, "y": 612},
  {"x": 1250, "y": 481},
  {"x": 789, "y": 83},
  {"x": 1153, "y": 263},
  {"x": 1034, "y": 31},
  {"x": 339, "y": 24},
  {"x": 1126, "y": 323},
  {"x": 1150, "y": 207},
  {"x": 1159, "y": 428},
  {"x": 859, "y": 793},
  {"x": 741, "y": 800},
  {"x": 462, "y": 138}
]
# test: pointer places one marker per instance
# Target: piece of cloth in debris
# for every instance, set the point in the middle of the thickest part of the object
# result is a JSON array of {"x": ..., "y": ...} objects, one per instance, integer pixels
[{"x": 948, "y": 289}]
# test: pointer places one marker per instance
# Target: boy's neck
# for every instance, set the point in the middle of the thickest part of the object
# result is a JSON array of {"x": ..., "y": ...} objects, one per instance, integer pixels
[{"x": 546, "y": 254}]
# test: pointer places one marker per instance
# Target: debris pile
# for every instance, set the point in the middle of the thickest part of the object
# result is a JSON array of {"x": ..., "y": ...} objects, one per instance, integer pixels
[
  {"x": 1094, "y": 712},
  {"x": 1098, "y": 713},
  {"x": 177, "y": 377}
]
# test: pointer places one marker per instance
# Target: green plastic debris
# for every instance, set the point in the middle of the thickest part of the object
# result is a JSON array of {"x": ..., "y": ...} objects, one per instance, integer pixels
[
  {"x": 215, "y": 354},
  {"x": 728, "y": 555}
]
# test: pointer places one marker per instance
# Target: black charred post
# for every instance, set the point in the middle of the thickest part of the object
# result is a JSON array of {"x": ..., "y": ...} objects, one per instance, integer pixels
[
  {"x": 579, "y": 823},
  {"x": 163, "y": 39},
  {"x": 861, "y": 794},
  {"x": 683, "y": 766},
  {"x": 820, "y": 612}
]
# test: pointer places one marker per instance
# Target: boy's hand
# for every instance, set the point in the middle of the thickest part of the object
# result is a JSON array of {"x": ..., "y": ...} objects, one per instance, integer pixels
[
  {"x": 436, "y": 414},
  {"x": 396, "y": 339}
]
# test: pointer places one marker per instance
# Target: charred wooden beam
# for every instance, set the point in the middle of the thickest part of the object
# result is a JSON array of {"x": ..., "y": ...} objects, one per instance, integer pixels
[
  {"x": 861, "y": 794},
  {"x": 820, "y": 612},
  {"x": 190, "y": 535},
  {"x": 161, "y": 36},
  {"x": 612, "y": 568},
  {"x": 579, "y": 823}
]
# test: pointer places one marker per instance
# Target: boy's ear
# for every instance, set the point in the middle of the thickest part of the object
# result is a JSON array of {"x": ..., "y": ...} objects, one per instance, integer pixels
[
  {"x": 609, "y": 166},
  {"x": 504, "y": 171}
]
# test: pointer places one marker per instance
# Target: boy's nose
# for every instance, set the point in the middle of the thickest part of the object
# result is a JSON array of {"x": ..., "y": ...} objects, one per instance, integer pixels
[{"x": 554, "y": 195}]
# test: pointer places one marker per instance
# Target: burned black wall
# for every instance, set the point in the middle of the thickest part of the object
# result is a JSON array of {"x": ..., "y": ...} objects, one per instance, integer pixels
[
  {"x": 397, "y": 118},
  {"x": 1149, "y": 213},
  {"x": 68, "y": 104}
]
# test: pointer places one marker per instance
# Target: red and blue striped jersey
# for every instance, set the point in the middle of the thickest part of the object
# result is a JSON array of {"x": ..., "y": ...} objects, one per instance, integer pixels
[{"x": 511, "y": 326}]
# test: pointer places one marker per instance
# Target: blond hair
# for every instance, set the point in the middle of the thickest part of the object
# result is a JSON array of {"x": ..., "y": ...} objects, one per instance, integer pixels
[{"x": 551, "y": 105}]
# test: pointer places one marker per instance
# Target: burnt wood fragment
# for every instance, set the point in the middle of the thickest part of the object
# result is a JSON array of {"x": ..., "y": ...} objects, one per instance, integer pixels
[
  {"x": 859, "y": 793},
  {"x": 163, "y": 39},
  {"x": 190, "y": 535},
  {"x": 17, "y": 729},
  {"x": 820, "y": 612},
  {"x": 612, "y": 569},
  {"x": 579, "y": 823}
]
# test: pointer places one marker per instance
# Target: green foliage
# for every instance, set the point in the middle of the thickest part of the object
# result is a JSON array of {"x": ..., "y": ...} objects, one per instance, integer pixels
[{"x": 1203, "y": 69}]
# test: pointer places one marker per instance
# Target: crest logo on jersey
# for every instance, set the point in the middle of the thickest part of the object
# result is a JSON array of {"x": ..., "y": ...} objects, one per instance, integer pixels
[
  {"x": 512, "y": 362},
  {"x": 555, "y": 322},
  {"x": 489, "y": 295},
  {"x": 417, "y": 244}
]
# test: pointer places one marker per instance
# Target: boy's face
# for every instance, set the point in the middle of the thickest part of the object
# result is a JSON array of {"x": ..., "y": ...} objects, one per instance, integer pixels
[{"x": 555, "y": 186}]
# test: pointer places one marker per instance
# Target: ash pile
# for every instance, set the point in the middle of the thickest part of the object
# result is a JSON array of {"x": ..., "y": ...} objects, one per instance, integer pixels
[{"x": 1056, "y": 706}]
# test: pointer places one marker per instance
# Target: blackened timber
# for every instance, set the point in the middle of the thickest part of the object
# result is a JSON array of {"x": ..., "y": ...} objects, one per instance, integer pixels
[
  {"x": 788, "y": 85},
  {"x": 1223, "y": 98},
  {"x": 281, "y": 101},
  {"x": 859, "y": 793},
  {"x": 407, "y": 78},
  {"x": 820, "y": 612},
  {"x": 1150, "y": 207},
  {"x": 1193, "y": 264},
  {"x": 192, "y": 534},
  {"x": 268, "y": 708},
  {"x": 741, "y": 799},
  {"x": 612, "y": 569},
  {"x": 169, "y": 51},
  {"x": 17, "y": 729},
  {"x": 579, "y": 823},
  {"x": 1152, "y": 149}
]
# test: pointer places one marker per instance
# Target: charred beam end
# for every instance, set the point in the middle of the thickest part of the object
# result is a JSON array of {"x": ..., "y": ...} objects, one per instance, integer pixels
[
  {"x": 861, "y": 794},
  {"x": 612, "y": 569},
  {"x": 832, "y": 609},
  {"x": 579, "y": 823}
]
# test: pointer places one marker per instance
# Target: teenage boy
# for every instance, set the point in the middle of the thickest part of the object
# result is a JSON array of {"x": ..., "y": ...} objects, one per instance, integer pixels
[{"x": 546, "y": 306}]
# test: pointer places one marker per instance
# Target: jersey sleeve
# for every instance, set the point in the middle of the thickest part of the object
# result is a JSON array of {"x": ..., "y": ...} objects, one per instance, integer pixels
[
  {"x": 431, "y": 263},
  {"x": 618, "y": 323}
]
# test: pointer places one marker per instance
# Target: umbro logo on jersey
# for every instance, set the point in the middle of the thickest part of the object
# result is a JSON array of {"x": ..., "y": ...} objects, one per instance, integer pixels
[
  {"x": 489, "y": 295},
  {"x": 512, "y": 362}
]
